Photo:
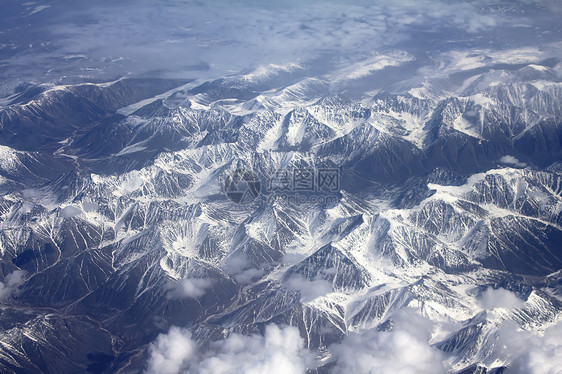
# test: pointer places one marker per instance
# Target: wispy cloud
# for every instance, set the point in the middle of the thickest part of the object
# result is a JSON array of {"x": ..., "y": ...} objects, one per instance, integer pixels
[{"x": 210, "y": 39}]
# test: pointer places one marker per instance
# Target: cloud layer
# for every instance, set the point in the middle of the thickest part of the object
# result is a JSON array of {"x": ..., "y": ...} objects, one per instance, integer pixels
[
  {"x": 403, "y": 349},
  {"x": 192, "y": 39},
  {"x": 530, "y": 352},
  {"x": 279, "y": 351}
]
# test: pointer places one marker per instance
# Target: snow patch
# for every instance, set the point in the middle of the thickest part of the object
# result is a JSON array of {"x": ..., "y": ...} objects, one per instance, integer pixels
[
  {"x": 131, "y": 149},
  {"x": 480, "y": 99},
  {"x": 538, "y": 67},
  {"x": 367, "y": 67},
  {"x": 266, "y": 71},
  {"x": 9, "y": 160}
]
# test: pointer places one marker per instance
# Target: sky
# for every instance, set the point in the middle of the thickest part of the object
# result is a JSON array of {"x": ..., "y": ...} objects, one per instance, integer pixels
[{"x": 68, "y": 41}]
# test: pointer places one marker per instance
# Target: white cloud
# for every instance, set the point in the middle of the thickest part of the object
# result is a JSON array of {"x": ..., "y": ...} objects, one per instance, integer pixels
[
  {"x": 212, "y": 39},
  {"x": 524, "y": 55},
  {"x": 510, "y": 160},
  {"x": 365, "y": 68},
  {"x": 240, "y": 269},
  {"x": 11, "y": 282},
  {"x": 31, "y": 194},
  {"x": 530, "y": 352},
  {"x": 171, "y": 352},
  {"x": 499, "y": 298},
  {"x": 404, "y": 349},
  {"x": 193, "y": 287},
  {"x": 309, "y": 289},
  {"x": 248, "y": 275},
  {"x": 280, "y": 350},
  {"x": 70, "y": 211}
]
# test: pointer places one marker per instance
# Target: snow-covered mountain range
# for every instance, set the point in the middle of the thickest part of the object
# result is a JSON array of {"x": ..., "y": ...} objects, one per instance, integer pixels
[{"x": 441, "y": 244}]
